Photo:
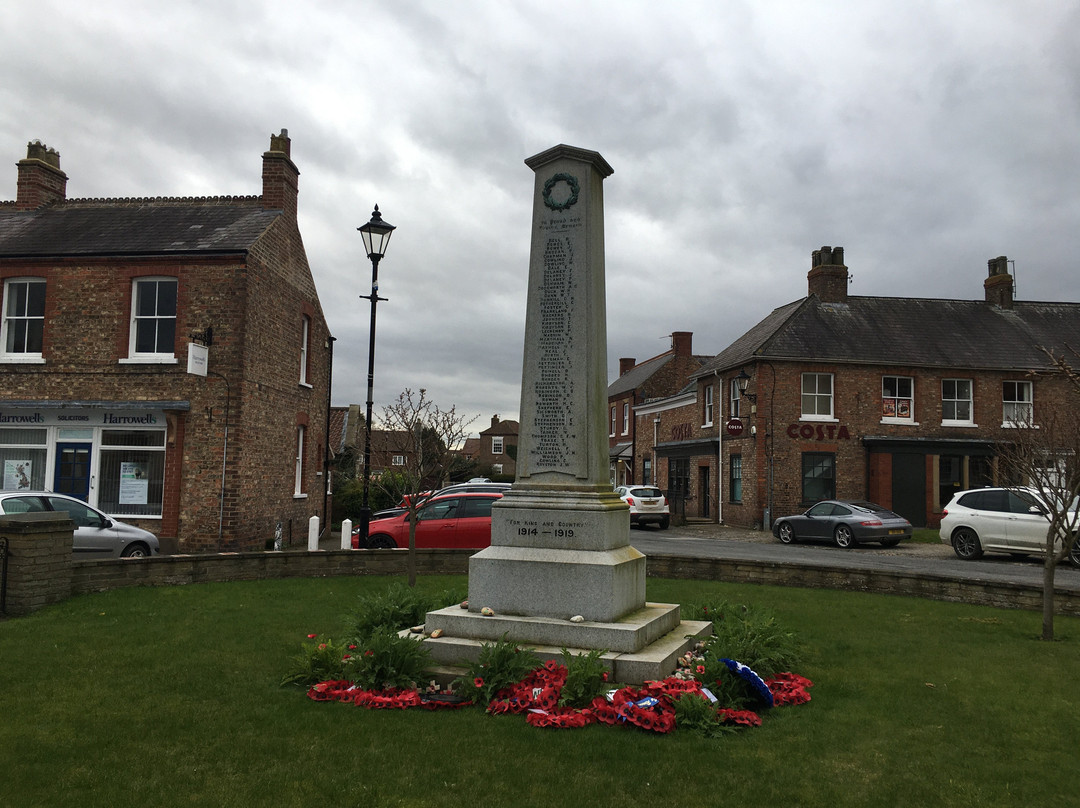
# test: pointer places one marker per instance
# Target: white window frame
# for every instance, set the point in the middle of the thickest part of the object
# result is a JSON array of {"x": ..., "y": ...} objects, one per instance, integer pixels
[
  {"x": 496, "y": 444},
  {"x": 497, "y": 468},
  {"x": 626, "y": 418},
  {"x": 817, "y": 396},
  {"x": 708, "y": 414},
  {"x": 397, "y": 460},
  {"x": 298, "y": 480},
  {"x": 970, "y": 400},
  {"x": 612, "y": 433},
  {"x": 736, "y": 400},
  {"x": 161, "y": 357},
  {"x": 899, "y": 403},
  {"x": 1010, "y": 408},
  {"x": 305, "y": 346},
  {"x": 23, "y": 357}
]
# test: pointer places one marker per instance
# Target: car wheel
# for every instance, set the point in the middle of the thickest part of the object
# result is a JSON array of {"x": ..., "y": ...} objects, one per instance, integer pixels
[
  {"x": 665, "y": 523},
  {"x": 1074, "y": 553},
  {"x": 844, "y": 537},
  {"x": 889, "y": 542},
  {"x": 965, "y": 543},
  {"x": 785, "y": 533},
  {"x": 380, "y": 541},
  {"x": 136, "y": 550}
]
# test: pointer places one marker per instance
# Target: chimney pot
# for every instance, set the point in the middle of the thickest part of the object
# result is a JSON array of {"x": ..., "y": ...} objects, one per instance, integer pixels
[
  {"x": 626, "y": 364},
  {"x": 40, "y": 181},
  {"x": 828, "y": 276}
]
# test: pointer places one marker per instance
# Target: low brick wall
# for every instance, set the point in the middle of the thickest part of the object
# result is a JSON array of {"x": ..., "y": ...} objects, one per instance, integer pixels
[
  {"x": 38, "y": 581},
  {"x": 934, "y": 587},
  {"x": 176, "y": 570},
  {"x": 39, "y": 564}
]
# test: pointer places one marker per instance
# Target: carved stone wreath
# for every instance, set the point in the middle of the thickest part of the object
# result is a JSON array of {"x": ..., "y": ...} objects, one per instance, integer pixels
[{"x": 570, "y": 180}]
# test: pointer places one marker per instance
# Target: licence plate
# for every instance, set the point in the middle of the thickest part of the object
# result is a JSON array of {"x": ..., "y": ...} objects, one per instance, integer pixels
[{"x": 895, "y": 532}]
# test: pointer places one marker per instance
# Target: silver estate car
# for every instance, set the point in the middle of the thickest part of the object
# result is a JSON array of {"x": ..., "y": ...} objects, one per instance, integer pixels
[{"x": 96, "y": 534}]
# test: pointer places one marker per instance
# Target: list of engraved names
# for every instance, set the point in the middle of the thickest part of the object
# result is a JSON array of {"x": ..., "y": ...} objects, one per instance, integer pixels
[{"x": 553, "y": 425}]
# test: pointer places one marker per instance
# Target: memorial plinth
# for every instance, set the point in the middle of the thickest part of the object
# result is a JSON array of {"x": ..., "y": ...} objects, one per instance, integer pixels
[{"x": 560, "y": 536}]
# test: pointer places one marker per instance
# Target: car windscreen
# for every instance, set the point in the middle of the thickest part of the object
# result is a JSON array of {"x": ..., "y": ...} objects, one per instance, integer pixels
[{"x": 646, "y": 493}]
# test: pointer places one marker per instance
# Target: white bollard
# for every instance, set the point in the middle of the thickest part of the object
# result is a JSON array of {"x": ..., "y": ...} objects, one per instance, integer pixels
[
  {"x": 346, "y": 534},
  {"x": 313, "y": 534}
]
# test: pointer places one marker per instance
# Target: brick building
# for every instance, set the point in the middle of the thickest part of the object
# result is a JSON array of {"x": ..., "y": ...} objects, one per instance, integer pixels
[
  {"x": 899, "y": 400},
  {"x": 655, "y": 378},
  {"x": 102, "y": 301},
  {"x": 498, "y": 448}
]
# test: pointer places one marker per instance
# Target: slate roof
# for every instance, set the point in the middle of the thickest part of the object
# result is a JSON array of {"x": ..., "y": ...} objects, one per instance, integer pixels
[
  {"x": 507, "y": 427},
  {"x": 134, "y": 227},
  {"x": 638, "y": 375},
  {"x": 916, "y": 332}
]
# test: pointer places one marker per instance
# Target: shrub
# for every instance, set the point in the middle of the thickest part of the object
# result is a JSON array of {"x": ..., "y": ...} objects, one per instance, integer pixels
[
  {"x": 586, "y": 678},
  {"x": 500, "y": 664},
  {"x": 398, "y": 607},
  {"x": 386, "y": 659},
  {"x": 319, "y": 661},
  {"x": 694, "y": 712}
]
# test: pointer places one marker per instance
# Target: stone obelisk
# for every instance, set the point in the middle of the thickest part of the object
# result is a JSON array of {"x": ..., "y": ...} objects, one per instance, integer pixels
[
  {"x": 560, "y": 571},
  {"x": 560, "y": 536}
]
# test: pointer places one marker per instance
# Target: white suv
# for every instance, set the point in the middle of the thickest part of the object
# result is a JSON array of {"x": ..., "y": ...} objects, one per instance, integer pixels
[
  {"x": 1006, "y": 520},
  {"x": 647, "y": 505}
]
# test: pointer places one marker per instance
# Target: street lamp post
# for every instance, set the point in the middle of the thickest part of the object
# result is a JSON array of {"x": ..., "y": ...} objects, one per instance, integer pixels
[{"x": 376, "y": 234}]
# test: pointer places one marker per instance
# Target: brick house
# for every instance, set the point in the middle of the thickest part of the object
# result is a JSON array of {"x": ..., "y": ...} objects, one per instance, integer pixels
[
  {"x": 898, "y": 400},
  {"x": 103, "y": 302},
  {"x": 661, "y": 376},
  {"x": 347, "y": 436},
  {"x": 498, "y": 448}
]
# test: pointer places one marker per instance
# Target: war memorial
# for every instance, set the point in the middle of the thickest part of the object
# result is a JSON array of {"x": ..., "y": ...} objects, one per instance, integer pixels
[{"x": 560, "y": 571}]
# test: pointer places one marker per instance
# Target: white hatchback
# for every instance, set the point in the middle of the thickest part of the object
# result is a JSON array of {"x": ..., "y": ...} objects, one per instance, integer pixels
[
  {"x": 648, "y": 505},
  {"x": 1005, "y": 520}
]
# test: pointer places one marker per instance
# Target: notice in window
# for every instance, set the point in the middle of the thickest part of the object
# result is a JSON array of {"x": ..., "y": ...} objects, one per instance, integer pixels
[
  {"x": 134, "y": 485},
  {"x": 16, "y": 474}
]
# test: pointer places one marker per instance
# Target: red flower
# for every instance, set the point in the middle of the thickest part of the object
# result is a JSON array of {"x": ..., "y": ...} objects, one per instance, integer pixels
[
  {"x": 322, "y": 646},
  {"x": 312, "y": 636},
  {"x": 352, "y": 647},
  {"x": 603, "y": 676},
  {"x": 478, "y": 682},
  {"x": 700, "y": 669},
  {"x": 551, "y": 665},
  {"x": 369, "y": 653},
  {"x": 347, "y": 656}
]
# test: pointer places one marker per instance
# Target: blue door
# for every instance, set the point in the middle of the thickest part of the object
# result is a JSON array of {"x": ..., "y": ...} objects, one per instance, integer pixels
[{"x": 72, "y": 473}]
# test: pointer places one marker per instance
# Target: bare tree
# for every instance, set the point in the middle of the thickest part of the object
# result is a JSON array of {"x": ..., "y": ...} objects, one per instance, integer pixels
[
  {"x": 423, "y": 439},
  {"x": 1044, "y": 455}
]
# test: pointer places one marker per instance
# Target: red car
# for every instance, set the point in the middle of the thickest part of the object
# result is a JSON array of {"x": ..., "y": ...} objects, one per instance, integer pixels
[{"x": 453, "y": 520}]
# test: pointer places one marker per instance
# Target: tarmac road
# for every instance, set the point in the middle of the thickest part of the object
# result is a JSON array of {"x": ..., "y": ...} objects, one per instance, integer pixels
[{"x": 930, "y": 560}]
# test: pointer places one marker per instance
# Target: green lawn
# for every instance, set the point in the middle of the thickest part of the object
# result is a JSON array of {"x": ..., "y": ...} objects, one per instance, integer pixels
[{"x": 170, "y": 697}]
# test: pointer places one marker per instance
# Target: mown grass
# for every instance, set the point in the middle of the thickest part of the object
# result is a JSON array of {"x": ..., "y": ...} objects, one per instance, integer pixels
[
  {"x": 926, "y": 535},
  {"x": 170, "y": 697}
]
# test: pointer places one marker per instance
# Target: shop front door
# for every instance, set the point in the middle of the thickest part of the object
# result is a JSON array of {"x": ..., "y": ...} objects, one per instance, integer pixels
[
  {"x": 72, "y": 473},
  {"x": 909, "y": 487}
]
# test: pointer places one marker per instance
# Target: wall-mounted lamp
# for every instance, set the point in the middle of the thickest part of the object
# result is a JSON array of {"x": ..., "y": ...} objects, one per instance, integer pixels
[{"x": 742, "y": 381}]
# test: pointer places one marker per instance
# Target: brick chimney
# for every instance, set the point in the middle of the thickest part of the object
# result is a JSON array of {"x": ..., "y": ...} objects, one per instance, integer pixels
[
  {"x": 626, "y": 364},
  {"x": 280, "y": 176},
  {"x": 41, "y": 181},
  {"x": 999, "y": 285},
  {"x": 828, "y": 277},
  {"x": 682, "y": 342},
  {"x": 494, "y": 421}
]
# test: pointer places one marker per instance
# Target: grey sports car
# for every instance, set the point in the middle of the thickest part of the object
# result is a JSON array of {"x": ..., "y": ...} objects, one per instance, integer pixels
[{"x": 845, "y": 522}]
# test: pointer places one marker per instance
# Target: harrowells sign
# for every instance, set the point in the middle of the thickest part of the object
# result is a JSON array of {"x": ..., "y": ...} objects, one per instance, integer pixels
[{"x": 85, "y": 417}]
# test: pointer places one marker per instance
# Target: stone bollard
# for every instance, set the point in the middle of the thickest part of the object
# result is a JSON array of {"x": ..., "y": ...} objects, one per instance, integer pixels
[
  {"x": 346, "y": 534},
  {"x": 39, "y": 559},
  {"x": 313, "y": 534}
]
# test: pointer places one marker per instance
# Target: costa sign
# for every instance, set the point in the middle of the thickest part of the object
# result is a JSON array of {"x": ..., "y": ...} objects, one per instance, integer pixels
[
  {"x": 818, "y": 432},
  {"x": 734, "y": 427}
]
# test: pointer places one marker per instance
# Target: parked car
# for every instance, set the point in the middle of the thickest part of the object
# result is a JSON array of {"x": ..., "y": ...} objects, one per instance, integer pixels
[
  {"x": 648, "y": 505},
  {"x": 999, "y": 520},
  {"x": 475, "y": 485},
  {"x": 96, "y": 534},
  {"x": 845, "y": 522},
  {"x": 453, "y": 520}
]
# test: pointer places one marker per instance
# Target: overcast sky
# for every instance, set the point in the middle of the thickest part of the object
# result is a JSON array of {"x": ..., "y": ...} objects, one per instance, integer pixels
[{"x": 923, "y": 136}]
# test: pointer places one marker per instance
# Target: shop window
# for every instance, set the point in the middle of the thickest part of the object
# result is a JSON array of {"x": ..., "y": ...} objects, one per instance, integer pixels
[
  {"x": 1016, "y": 403},
  {"x": 897, "y": 399},
  {"x": 735, "y": 478},
  {"x": 707, "y": 415},
  {"x": 736, "y": 400},
  {"x": 950, "y": 478},
  {"x": 497, "y": 445},
  {"x": 956, "y": 405},
  {"x": 818, "y": 476},
  {"x": 22, "y": 458},
  {"x": 132, "y": 472},
  {"x": 305, "y": 346},
  {"x": 298, "y": 478},
  {"x": 153, "y": 320},
  {"x": 817, "y": 396},
  {"x": 23, "y": 325}
]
